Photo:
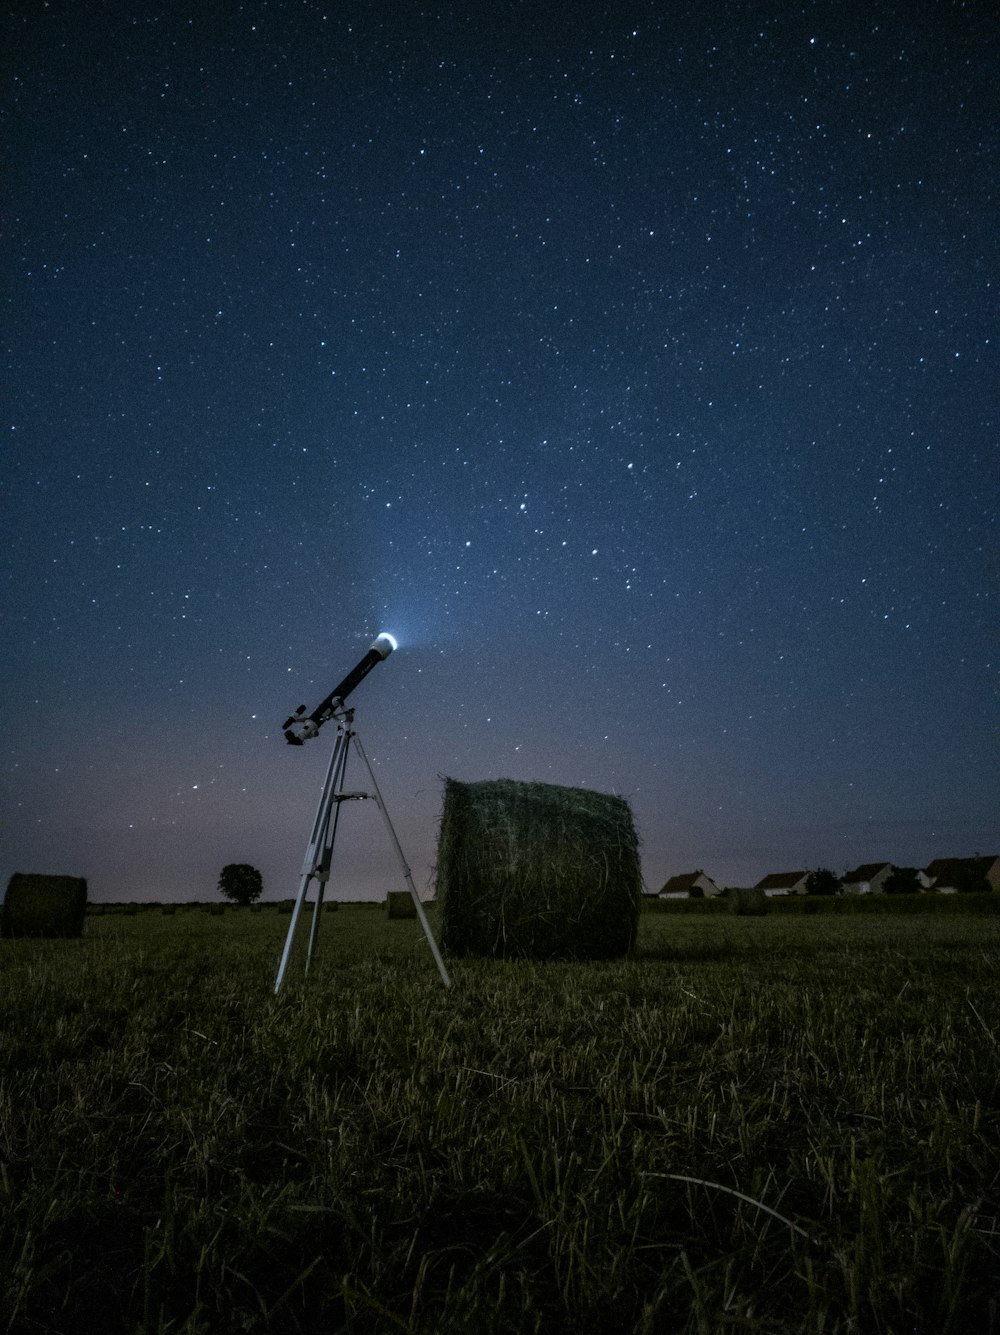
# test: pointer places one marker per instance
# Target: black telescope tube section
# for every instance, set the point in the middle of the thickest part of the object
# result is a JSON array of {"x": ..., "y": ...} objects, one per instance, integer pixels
[{"x": 341, "y": 691}]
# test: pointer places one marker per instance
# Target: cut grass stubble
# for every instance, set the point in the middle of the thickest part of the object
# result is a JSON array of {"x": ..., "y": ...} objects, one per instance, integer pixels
[{"x": 762, "y": 1124}]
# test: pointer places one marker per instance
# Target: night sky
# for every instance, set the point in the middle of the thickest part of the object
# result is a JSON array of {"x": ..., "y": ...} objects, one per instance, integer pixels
[{"x": 632, "y": 363}]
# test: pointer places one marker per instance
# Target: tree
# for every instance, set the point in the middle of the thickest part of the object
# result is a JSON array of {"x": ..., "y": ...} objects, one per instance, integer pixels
[
  {"x": 969, "y": 881},
  {"x": 902, "y": 881},
  {"x": 241, "y": 883},
  {"x": 822, "y": 882}
]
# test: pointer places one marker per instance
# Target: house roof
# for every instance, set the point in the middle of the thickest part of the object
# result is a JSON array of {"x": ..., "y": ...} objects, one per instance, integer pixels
[
  {"x": 781, "y": 880},
  {"x": 866, "y": 872},
  {"x": 944, "y": 869},
  {"x": 678, "y": 884}
]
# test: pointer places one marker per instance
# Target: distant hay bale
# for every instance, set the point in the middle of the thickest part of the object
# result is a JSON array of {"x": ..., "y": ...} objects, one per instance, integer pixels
[
  {"x": 748, "y": 902},
  {"x": 53, "y": 906},
  {"x": 537, "y": 870},
  {"x": 399, "y": 904}
]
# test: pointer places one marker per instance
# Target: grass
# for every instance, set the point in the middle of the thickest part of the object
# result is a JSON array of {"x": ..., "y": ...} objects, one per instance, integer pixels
[{"x": 779, "y": 1124}]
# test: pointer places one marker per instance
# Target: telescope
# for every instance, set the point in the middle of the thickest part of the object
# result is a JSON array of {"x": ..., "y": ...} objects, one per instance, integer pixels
[{"x": 301, "y": 727}]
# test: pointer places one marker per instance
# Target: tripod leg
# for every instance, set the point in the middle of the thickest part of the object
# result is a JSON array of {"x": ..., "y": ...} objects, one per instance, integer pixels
[
  {"x": 315, "y": 850},
  {"x": 406, "y": 870},
  {"x": 323, "y": 871}
]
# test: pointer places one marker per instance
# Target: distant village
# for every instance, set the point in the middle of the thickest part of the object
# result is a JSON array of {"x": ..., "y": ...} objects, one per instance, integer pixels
[{"x": 944, "y": 876}]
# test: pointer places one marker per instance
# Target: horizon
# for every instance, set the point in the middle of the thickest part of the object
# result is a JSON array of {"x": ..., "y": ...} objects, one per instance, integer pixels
[{"x": 428, "y": 896}]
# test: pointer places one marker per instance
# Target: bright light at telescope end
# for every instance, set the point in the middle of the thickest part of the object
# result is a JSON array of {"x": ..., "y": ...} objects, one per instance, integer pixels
[{"x": 385, "y": 643}]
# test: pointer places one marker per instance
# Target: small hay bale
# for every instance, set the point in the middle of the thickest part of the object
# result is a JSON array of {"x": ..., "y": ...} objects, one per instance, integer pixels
[
  {"x": 53, "y": 906},
  {"x": 399, "y": 904},
  {"x": 537, "y": 870},
  {"x": 748, "y": 902}
]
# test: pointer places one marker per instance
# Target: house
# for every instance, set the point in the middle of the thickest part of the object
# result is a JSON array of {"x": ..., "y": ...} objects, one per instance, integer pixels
[
  {"x": 783, "y": 883},
  {"x": 951, "y": 874},
  {"x": 690, "y": 885},
  {"x": 868, "y": 879}
]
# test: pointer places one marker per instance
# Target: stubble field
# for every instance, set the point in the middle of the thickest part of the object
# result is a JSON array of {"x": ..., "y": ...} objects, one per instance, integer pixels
[{"x": 777, "y": 1124}]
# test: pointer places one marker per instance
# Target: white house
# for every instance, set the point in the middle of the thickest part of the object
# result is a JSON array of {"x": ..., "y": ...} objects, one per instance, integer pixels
[
  {"x": 783, "y": 883},
  {"x": 689, "y": 885},
  {"x": 868, "y": 879},
  {"x": 952, "y": 874}
]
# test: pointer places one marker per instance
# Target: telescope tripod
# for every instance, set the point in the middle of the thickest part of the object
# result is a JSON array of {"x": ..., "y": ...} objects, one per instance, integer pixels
[{"x": 319, "y": 853}]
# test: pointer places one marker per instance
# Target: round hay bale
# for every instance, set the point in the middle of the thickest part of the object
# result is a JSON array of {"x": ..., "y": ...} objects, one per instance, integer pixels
[
  {"x": 53, "y": 906},
  {"x": 399, "y": 904},
  {"x": 537, "y": 870}
]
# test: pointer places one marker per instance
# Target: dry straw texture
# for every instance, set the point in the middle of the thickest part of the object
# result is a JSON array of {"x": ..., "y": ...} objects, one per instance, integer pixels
[
  {"x": 44, "y": 906},
  {"x": 748, "y": 902},
  {"x": 536, "y": 870},
  {"x": 400, "y": 904}
]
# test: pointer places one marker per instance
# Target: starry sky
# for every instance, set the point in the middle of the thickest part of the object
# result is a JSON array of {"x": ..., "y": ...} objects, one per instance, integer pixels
[{"x": 632, "y": 363}]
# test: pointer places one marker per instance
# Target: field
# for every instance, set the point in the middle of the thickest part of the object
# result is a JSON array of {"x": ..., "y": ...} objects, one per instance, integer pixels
[{"x": 776, "y": 1124}]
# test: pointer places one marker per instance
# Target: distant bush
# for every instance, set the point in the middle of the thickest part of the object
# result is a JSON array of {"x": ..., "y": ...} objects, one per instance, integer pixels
[
  {"x": 902, "y": 881},
  {"x": 851, "y": 905},
  {"x": 969, "y": 882},
  {"x": 822, "y": 881},
  {"x": 714, "y": 904}
]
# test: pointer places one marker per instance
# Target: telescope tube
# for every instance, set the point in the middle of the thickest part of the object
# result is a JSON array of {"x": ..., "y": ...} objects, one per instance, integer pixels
[{"x": 300, "y": 727}]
